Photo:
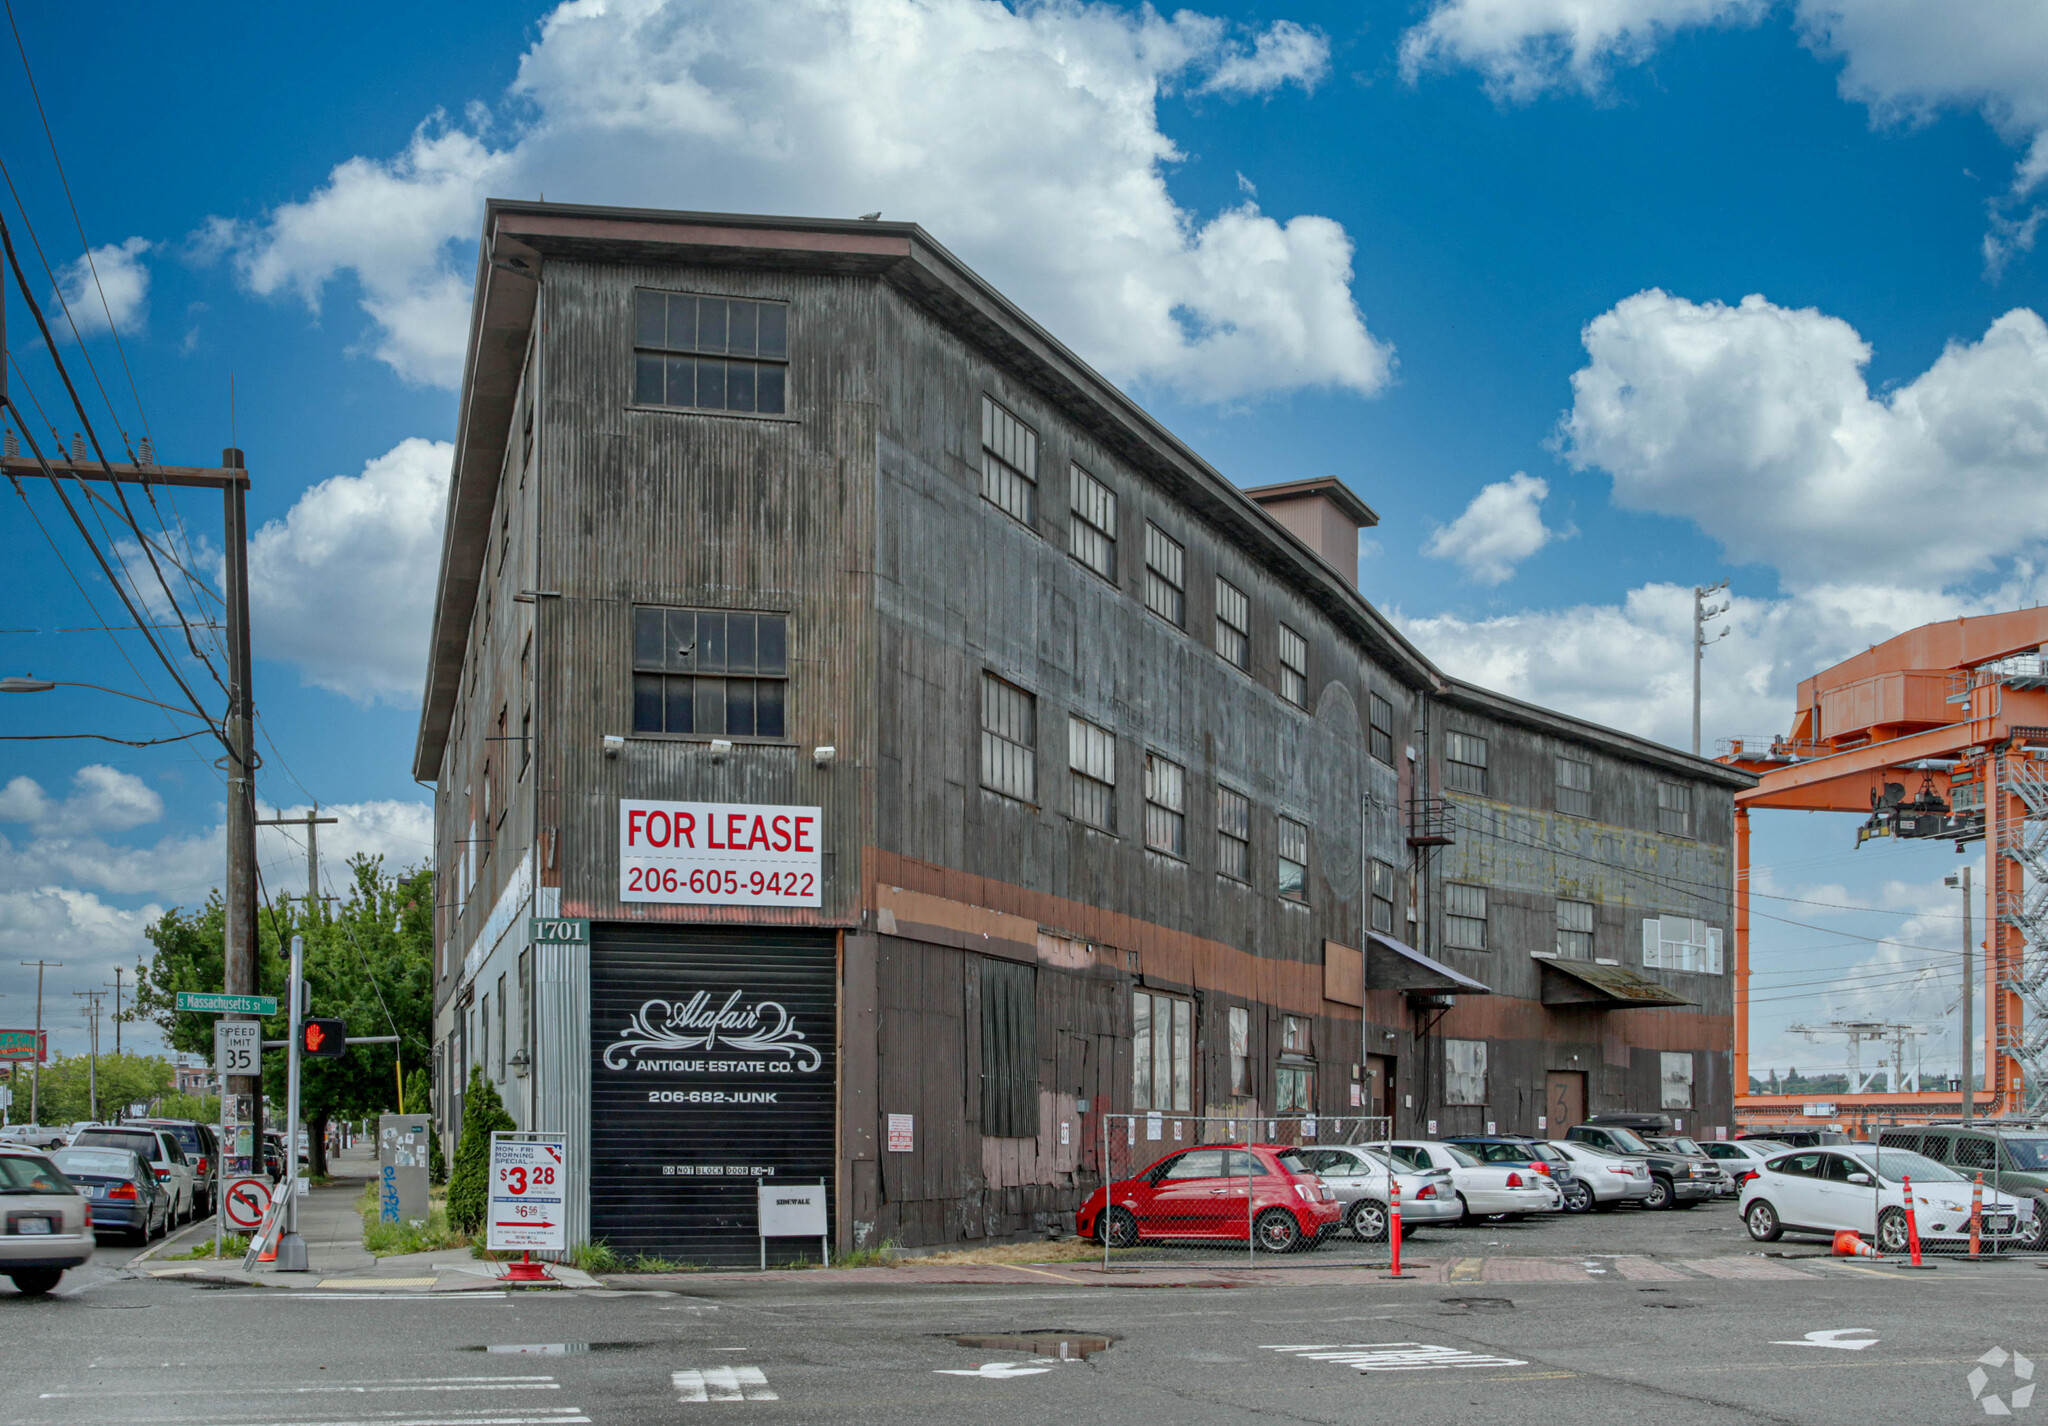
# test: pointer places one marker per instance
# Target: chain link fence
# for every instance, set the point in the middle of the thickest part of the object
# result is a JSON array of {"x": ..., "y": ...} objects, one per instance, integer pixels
[{"x": 1249, "y": 1191}]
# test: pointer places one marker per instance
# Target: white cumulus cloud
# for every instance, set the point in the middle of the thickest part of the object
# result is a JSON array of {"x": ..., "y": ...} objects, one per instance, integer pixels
[
  {"x": 1500, "y": 528},
  {"x": 1523, "y": 47},
  {"x": 1027, "y": 140},
  {"x": 1755, "y": 422},
  {"x": 102, "y": 799},
  {"x": 121, "y": 292},
  {"x": 343, "y": 586}
]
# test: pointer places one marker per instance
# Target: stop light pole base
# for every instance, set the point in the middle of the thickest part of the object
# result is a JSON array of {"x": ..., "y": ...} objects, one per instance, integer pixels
[{"x": 291, "y": 1254}]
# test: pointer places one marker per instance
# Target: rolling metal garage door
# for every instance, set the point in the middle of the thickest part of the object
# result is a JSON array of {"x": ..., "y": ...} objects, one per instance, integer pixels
[{"x": 712, "y": 1067}]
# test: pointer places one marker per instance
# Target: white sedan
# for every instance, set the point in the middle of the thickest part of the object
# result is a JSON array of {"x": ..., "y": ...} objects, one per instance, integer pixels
[
  {"x": 1485, "y": 1189},
  {"x": 1359, "y": 1178},
  {"x": 1859, "y": 1187},
  {"x": 1614, "y": 1180},
  {"x": 1743, "y": 1159}
]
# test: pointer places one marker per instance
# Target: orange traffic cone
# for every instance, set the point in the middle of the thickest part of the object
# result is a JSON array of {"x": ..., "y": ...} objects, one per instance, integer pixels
[{"x": 1848, "y": 1245}]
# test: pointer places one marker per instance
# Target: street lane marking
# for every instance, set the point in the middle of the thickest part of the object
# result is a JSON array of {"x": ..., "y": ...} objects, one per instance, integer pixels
[
  {"x": 722, "y": 1384},
  {"x": 1397, "y": 1356},
  {"x": 996, "y": 1371},
  {"x": 377, "y": 1282},
  {"x": 1833, "y": 1337},
  {"x": 1057, "y": 1277},
  {"x": 539, "y": 1383}
]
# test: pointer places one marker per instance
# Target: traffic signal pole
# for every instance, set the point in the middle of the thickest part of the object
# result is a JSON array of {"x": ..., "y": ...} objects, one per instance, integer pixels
[{"x": 291, "y": 1248}]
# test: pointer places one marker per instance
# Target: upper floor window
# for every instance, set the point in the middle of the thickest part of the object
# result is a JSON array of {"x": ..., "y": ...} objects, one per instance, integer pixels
[
  {"x": 1162, "y": 1051},
  {"x": 1091, "y": 758},
  {"x": 1293, "y": 859},
  {"x": 710, "y": 353},
  {"x": 1574, "y": 787},
  {"x": 1165, "y": 576},
  {"x": 1240, "y": 1050},
  {"x": 1166, "y": 806},
  {"x": 1294, "y": 1035},
  {"x": 1574, "y": 930},
  {"x": 1382, "y": 898},
  {"x": 1091, "y": 532},
  {"x": 1464, "y": 916},
  {"x": 1009, "y": 463},
  {"x": 1380, "y": 721},
  {"x": 1009, "y": 739},
  {"x": 1674, "y": 809},
  {"x": 1465, "y": 763},
  {"x": 1233, "y": 623},
  {"x": 1233, "y": 834},
  {"x": 1293, "y": 667},
  {"x": 711, "y": 672},
  {"x": 1681, "y": 943}
]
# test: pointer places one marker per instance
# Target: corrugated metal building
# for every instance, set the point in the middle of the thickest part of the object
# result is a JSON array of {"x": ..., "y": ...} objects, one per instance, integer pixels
[{"x": 942, "y": 754}]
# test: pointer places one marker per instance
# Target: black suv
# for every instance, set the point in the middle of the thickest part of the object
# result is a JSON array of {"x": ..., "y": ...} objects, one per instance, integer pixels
[{"x": 1676, "y": 1180}]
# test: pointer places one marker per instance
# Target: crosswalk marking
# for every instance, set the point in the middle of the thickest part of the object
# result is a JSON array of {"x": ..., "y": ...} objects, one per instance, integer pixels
[
  {"x": 722, "y": 1384},
  {"x": 1397, "y": 1356}
]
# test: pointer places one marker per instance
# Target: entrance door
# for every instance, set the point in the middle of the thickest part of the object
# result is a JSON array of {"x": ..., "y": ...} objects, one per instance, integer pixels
[
  {"x": 1379, "y": 1086},
  {"x": 1566, "y": 1100}
]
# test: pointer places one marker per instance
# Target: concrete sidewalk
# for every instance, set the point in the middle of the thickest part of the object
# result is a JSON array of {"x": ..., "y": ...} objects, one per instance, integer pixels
[{"x": 331, "y": 1224}]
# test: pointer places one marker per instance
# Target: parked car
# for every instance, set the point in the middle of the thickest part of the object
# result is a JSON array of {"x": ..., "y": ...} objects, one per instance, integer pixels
[
  {"x": 49, "y": 1223},
  {"x": 1676, "y": 1180},
  {"x": 2012, "y": 1158},
  {"x": 1796, "y": 1137},
  {"x": 1486, "y": 1190},
  {"x": 1199, "y": 1194},
  {"x": 1860, "y": 1187},
  {"x": 201, "y": 1143},
  {"x": 1361, "y": 1177},
  {"x": 1614, "y": 1180},
  {"x": 126, "y": 1195},
  {"x": 35, "y": 1136},
  {"x": 164, "y": 1154},
  {"x": 1538, "y": 1156},
  {"x": 1740, "y": 1159}
]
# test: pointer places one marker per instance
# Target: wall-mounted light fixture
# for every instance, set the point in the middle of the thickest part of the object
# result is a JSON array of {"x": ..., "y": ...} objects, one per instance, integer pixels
[
  {"x": 613, "y": 745},
  {"x": 824, "y": 755},
  {"x": 719, "y": 748},
  {"x": 520, "y": 1063}
]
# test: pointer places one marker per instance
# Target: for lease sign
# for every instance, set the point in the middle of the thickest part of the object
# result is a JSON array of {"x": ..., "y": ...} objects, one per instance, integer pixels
[{"x": 720, "y": 854}]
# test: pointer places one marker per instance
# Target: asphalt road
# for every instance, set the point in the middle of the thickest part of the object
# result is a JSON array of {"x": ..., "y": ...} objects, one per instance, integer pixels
[{"x": 116, "y": 1351}]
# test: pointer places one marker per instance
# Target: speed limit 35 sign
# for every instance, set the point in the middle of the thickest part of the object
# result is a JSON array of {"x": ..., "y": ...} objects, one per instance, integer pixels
[
  {"x": 238, "y": 1047},
  {"x": 528, "y": 1179}
]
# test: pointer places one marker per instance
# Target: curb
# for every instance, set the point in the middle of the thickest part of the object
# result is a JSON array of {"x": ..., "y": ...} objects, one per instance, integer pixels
[{"x": 169, "y": 1238}]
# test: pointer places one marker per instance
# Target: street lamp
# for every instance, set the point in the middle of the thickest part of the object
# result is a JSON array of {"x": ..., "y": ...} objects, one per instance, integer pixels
[{"x": 17, "y": 683}]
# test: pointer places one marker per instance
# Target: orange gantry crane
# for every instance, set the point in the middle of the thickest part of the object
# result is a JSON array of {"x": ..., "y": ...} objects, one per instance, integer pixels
[{"x": 1942, "y": 734}]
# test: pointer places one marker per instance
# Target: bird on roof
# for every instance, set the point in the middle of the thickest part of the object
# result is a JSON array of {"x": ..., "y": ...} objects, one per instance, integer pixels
[{"x": 871, "y": 217}]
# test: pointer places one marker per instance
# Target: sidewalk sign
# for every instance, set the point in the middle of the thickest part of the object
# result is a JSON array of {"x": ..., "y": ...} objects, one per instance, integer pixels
[
  {"x": 794, "y": 1210},
  {"x": 528, "y": 1173},
  {"x": 402, "y": 1168}
]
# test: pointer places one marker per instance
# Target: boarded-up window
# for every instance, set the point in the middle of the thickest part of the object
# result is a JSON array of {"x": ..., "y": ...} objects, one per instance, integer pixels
[
  {"x": 1009, "y": 463},
  {"x": 1091, "y": 759},
  {"x": 1464, "y": 1071},
  {"x": 1091, "y": 532},
  {"x": 1465, "y": 763},
  {"x": 1380, "y": 714},
  {"x": 1009, "y": 739},
  {"x": 1233, "y": 834},
  {"x": 1162, "y": 1052},
  {"x": 1009, "y": 1049},
  {"x": 1674, "y": 809},
  {"x": 1574, "y": 787},
  {"x": 1681, "y": 943},
  {"x": 1166, "y": 806},
  {"x": 1293, "y": 859},
  {"x": 1165, "y": 576},
  {"x": 1293, "y": 667},
  {"x": 1465, "y": 916},
  {"x": 1677, "y": 1079},
  {"x": 1574, "y": 930},
  {"x": 1233, "y": 623}
]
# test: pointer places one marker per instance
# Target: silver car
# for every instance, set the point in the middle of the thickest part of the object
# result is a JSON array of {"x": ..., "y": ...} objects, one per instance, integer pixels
[
  {"x": 1615, "y": 1180},
  {"x": 45, "y": 1225},
  {"x": 1358, "y": 1176}
]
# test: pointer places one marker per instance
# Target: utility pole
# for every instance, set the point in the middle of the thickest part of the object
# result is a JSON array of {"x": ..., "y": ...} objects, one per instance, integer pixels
[
  {"x": 118, "y": 971},
  {"x": 92, "y": 1000},
  {"x": 35, "y": 1093},
  {"x": 240, "y": 971},
  {"x": 1969, "y": 1050},
  {"x": 1701, "y": 612},
  {"x": 312, "y": 821}
]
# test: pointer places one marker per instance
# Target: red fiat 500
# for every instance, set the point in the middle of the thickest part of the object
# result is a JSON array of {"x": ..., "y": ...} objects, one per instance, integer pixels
[{"x": 1217, "y": 1191}]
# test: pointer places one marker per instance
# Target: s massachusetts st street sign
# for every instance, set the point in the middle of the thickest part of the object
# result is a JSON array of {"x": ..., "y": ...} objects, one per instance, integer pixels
[{"x": 210, "y": 1002}]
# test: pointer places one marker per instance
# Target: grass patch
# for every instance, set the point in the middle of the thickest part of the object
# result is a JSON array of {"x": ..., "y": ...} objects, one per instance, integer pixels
[
  {"x": 1067, "y": 1250},
  {"x": 597, "y": 1257},
  {"x": 234, "y": 1245},
  {"x": 882, "y": 1255},
  {"x": 388, "y": 1240}
]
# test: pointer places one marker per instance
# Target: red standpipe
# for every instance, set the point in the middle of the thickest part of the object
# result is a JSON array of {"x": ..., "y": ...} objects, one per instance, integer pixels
[{"x": 1394, "y": 1218}]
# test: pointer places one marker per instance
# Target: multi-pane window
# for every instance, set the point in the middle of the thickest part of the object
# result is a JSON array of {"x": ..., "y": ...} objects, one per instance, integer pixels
[
  {"x": 1294, "y": 1090},
  {"x": 1681, "y": 943},
  {"x": 710, "y": 353},
  {"x": 1674, "y": 809},
  {"x": 711, "y": 672},
  {"x": 1091, "y": 759},
  {"x": 1465, "y": 763},
  {"x": 1464, "y": 916},
  {"x": 1091, "y": 530},
  {"x": 1162, "y": 1052},
  {"x": 1233, "y": 623},
  {"x": 1464, "y": 1071},
  {"x": 1380, "y": 720},
  {"x": 1009, "y": 739},
  {"x": 1240, "y": 1050},
  {"x": 1574, "y": 930},
  {"x": 1009, "y": 463},
  {"x": 1166, "y": 806},
  {"x": 1382, "y": 898},
  {"x": 1165, "y": 576},
  {"x": 1293, "y": 859},
  {"x": 1574, "y": 787},
  {"x": 1233, "y": 834},
  {"x": 1293, "y": 667}
]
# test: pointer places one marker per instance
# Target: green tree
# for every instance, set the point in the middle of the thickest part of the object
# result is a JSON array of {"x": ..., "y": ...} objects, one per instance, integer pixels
[
  {"x": 369, "y": 961},
  {"x": 203, "y": 1107},
  {"x": 123, "y": 1080},
  {"x": 469, "y": 1190}
]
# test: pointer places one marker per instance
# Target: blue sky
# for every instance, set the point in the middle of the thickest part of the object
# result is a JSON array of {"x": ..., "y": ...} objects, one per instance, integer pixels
[{"x": 1488, "y": 269}]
